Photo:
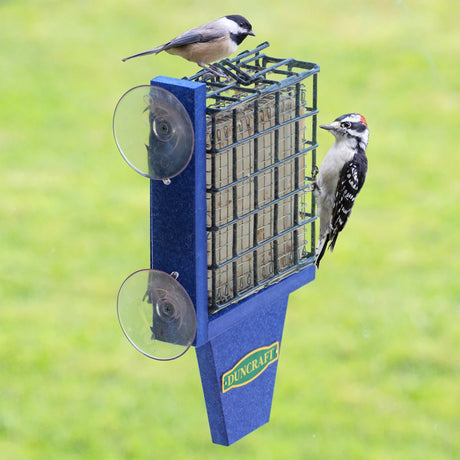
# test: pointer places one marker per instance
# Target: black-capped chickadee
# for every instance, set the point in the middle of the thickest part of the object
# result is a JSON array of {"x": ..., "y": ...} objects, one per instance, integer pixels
[{"x": 207, "y": 43}]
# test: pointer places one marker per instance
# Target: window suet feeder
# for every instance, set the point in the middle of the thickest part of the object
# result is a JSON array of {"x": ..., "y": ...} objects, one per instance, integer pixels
[{"x": 232, "y": 223}]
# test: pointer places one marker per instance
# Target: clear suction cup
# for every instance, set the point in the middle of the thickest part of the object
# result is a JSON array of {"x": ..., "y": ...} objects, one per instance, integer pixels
[
  {"x": 153, "y": 132},
  {"x": 156, "y": 314}
]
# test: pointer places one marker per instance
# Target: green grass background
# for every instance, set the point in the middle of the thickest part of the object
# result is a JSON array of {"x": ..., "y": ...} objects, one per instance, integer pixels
[{"x": 370, "y": 364}]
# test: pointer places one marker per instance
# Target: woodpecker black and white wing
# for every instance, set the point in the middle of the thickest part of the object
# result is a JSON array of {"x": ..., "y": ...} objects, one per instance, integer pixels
[{"x": 350, "y": 182}]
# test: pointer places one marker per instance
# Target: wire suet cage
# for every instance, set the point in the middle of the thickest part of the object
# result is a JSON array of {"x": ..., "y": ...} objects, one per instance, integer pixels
[{"x": 260, "y": 153}]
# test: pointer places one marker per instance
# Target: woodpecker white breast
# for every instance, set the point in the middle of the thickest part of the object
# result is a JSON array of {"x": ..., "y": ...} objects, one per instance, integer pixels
[{"x": 341, "y": 176}]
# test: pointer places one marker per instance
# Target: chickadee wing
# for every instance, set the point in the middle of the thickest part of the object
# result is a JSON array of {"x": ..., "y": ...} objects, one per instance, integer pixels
[{"x": 196, "y": 35}]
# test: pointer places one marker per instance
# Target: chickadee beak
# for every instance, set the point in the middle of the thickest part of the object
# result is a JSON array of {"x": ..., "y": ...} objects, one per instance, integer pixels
[{"x": 251, "y": 33}]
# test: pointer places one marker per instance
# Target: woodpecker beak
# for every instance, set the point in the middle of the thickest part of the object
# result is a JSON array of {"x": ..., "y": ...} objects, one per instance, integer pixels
[{"x": 330, "y": 127}]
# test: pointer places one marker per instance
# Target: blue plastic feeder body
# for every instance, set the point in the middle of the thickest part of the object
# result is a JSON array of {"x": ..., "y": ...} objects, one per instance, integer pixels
[
  {"x": 178, "y": 210},
  {"x": 238, "y": 346}
]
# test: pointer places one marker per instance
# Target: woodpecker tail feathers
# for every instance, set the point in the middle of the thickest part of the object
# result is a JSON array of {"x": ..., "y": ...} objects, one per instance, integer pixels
[
  {"x": 331, "y": 238},
  {"x": 321, "y": 249}
]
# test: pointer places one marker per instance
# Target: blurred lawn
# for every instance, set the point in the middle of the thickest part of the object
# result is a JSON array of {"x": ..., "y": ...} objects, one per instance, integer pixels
[{"x": 370, "y": 367}]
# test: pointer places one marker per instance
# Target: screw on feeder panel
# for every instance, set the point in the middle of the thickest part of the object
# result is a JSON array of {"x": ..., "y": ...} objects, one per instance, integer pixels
[{"x": 261, "y": 141}]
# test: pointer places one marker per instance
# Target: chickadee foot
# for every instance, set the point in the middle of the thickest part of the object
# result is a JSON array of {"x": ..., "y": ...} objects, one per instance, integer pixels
[
  {"x": 213, "y": 71},
  {"x": 214, "y": 75},
  {"x": 208, "y": 75},
  {"x": 217, "y": 72}
]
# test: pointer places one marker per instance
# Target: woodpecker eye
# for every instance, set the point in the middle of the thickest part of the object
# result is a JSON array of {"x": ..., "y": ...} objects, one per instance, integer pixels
[{"x": 345, "y": 124}]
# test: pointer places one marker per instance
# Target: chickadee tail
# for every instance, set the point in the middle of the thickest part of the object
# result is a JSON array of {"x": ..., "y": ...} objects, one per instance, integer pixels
[{"x": 144, "y": 53}]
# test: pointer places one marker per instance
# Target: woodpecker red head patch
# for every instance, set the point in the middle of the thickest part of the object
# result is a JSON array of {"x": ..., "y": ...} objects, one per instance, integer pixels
[{"x": 363, "y": 120}]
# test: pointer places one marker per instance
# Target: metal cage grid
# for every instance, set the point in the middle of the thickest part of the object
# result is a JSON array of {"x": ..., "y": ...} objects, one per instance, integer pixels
[{"x": 260, "y": 153}]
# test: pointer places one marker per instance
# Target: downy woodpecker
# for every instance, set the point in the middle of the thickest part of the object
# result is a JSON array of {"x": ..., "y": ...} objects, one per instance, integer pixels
[{"x": 341, "y": 176}]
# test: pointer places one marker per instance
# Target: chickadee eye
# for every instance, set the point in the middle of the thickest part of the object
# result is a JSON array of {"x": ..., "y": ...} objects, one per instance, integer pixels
[{"x": 345, "y": 124}]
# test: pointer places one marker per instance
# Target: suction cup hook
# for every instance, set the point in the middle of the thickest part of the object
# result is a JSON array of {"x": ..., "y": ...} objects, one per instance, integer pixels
[
  {"x": 156, "y": 314},
  {"x": 153, "y": 132}
]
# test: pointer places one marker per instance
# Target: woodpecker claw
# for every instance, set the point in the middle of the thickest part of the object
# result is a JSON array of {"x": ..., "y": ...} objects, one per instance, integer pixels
[
  {"x": 314, "y": 185},
  {"x": 314, "y": 172}
]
